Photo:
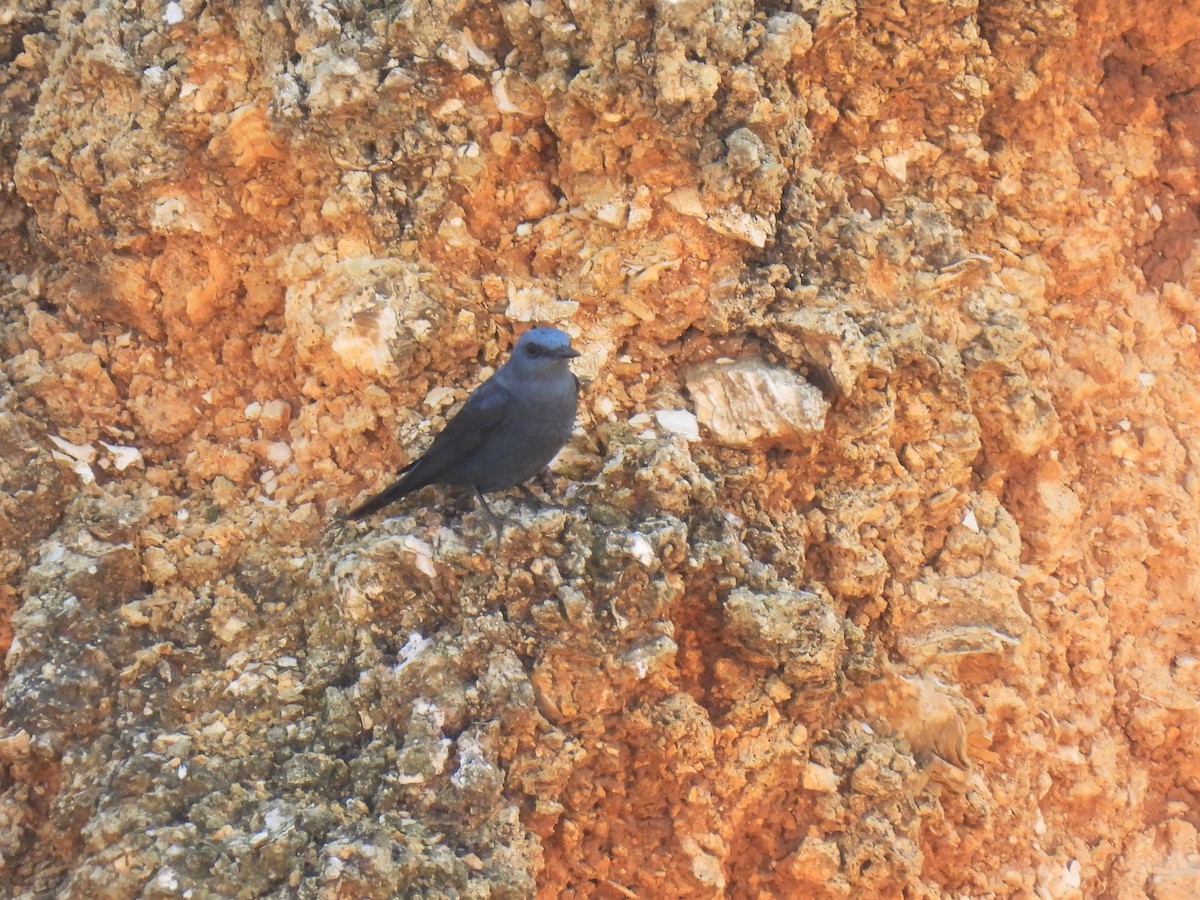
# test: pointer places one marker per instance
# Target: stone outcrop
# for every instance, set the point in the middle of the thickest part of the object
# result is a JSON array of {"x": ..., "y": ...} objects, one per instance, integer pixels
[{"x": 871, "y": 567}]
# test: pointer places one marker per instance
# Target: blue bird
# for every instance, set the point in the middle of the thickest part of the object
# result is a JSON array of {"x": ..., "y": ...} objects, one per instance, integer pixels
[{"x": 508, "y": 430}]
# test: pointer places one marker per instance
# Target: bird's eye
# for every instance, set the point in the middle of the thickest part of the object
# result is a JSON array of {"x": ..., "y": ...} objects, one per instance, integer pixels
[{"x": 533, "y": 349}]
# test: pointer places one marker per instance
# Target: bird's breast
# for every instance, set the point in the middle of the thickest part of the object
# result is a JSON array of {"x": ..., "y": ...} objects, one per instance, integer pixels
[{"x": 540, "y": 420}]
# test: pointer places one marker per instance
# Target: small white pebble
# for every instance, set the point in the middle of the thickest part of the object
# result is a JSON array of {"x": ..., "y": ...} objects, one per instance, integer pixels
[
  {"x": 279, "y": 454},
  {"x": 81, "y": 469},
  {"x": 504, "y": 103},
  {"x": 969, "y": 521},
  {"x": 422, "y": 552},
  {"x": 123, "y": 457},
  {"x": 1146, "y": 379},
  {"x": 80, "y": 452},
  {"x": 1072, "y": 874},
  {"x": 438, "y": 395},
  {"x": 640, "y": 549},
  {"x": 276, "y": 411},
  {"x": 819, "y": 778},
  {"x": 173, "y": 13},
  {"x": 679, "y": 421}
]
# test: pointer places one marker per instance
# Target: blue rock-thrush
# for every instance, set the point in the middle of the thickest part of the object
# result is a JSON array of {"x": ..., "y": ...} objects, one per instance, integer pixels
[{"x": 506, "y": 432}]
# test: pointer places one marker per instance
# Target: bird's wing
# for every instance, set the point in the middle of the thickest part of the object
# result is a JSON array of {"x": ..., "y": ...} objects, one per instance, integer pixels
[{"x": 484, "y": 412}]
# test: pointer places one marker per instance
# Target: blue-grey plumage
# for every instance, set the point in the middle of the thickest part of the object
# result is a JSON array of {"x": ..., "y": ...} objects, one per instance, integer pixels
[{"x": 509, "y": 429}]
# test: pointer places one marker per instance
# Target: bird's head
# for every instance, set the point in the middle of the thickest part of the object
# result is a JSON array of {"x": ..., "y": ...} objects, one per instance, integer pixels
[{"x": 541, "y": 352}]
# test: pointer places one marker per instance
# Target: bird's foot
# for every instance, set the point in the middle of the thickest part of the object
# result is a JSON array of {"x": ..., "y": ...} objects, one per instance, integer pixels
[
  {"x": 494, "y": 520},
  {"x": 538, "y": 501}
]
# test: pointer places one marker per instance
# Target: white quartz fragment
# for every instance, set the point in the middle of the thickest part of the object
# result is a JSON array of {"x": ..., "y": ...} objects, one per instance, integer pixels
[{"x": 752, "y": 401}]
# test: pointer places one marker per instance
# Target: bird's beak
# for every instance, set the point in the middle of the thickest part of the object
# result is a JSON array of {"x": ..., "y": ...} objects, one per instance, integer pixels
[{"x": 566, "y": 353}]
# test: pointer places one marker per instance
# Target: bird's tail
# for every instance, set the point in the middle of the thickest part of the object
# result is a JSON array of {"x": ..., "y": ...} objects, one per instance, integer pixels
[{"x": 404, "y": 485}]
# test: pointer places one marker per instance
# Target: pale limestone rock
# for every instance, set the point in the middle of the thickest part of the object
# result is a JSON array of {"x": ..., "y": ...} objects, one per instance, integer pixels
[
  {"x": 737, "y": 223},
  {"x": 123, "y": 457},
  {"x": 535, "y": 303},
  {"x": 751, "y": 402},
  {"x": 821, "y": 779},
  {"x": 679, "y": 421},
  {"x": 366, "y": 310}
]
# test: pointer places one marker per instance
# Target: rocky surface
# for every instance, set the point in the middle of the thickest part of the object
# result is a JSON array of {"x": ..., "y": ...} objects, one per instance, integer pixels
[{"x": 870, "y": 570}]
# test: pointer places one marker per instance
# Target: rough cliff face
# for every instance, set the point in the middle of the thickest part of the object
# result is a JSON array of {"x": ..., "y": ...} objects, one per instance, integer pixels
[{"x": 916, "y": 605}]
